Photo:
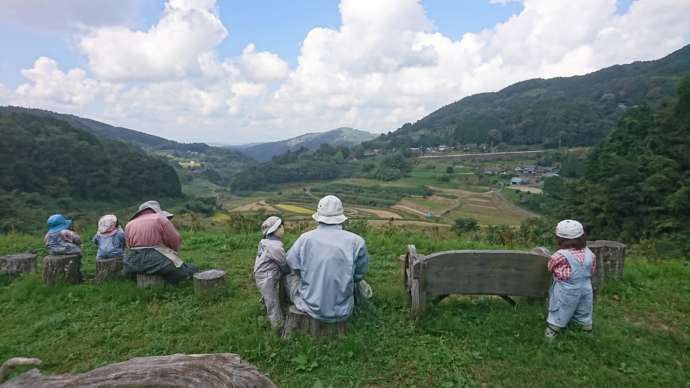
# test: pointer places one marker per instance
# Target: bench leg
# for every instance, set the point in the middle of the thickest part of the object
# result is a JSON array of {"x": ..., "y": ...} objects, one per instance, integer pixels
[
  {"x": 508, "y": 299},
  {"x": 418, "y": 296}
]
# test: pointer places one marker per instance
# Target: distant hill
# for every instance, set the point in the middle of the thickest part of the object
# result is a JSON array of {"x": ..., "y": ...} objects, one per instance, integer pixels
[
  {"x": 577, "y": 110},
  {"x": 44, "y": 155},
  {"x": 344, "y": 136},
  {"x": 217, "y": 163}
]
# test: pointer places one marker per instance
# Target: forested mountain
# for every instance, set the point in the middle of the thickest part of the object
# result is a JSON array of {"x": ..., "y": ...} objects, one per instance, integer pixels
[
  {"x": 343, "y": 136},
  {"x": 44, "y": 155},
  {"x": 325, "y": 163},
  {"x": 574, "y": 111},
  {"x": 637, "y": 183},
  {"x": 217, "y": 163}
]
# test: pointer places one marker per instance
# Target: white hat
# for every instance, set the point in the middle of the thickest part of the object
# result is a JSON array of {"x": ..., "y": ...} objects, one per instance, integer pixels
[
  {"x": 270, "y": 225},
  {"x": 330, "y": 211},
  {"x": 107, "y": 224},
  {"x": 569, "y": 229}
]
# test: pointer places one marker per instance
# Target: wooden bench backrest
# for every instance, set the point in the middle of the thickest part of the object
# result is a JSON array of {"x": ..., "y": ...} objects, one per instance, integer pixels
[{"x": 490, "y": 272}]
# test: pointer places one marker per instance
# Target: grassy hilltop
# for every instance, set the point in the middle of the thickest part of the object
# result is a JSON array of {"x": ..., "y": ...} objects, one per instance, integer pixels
[{"x": 642, "y": 325}]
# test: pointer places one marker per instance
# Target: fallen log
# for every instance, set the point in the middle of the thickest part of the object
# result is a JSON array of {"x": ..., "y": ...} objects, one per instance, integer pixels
[
  {"x": 174, "y": 371},
  {"x": 11, "y": 364},
  {"x": 65, "y": 268}
]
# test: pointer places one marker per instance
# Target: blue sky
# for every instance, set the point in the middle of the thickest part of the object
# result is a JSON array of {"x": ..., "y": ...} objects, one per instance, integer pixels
[
  {"x": 275, "y": 25},
  {"x": 227, "y": 71}
]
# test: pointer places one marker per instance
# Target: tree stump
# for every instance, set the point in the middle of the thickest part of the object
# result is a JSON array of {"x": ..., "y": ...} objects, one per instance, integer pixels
[
  {"x": 174, "y": 371},
  {"x": 300, "y": 321},
  {"x": 15, "y": 265},
  {"x": 610, "y": 261},
  {"x": 149, "y": 281},
  {"x": 107, "y": 269},
  {"x": 66, "y": 268},
  {"x": 208, "y": 283}
]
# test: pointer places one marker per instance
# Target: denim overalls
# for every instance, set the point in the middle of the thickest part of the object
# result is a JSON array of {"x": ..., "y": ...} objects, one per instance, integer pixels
[{"x": 572, "y": 298}]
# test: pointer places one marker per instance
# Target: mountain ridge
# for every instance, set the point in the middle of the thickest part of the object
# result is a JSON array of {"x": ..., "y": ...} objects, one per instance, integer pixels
[
  {"x": 342, "y": 136},
  {"x": 577, "y": 110}
]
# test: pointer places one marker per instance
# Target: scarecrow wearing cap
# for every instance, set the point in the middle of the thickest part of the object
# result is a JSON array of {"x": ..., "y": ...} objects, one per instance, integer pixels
[
  {"x": 269, "y": 267},
  {"x": 570, "y": 295},
  {"x": 152, "y": 245},
  {"x": 328, "y": 265}
]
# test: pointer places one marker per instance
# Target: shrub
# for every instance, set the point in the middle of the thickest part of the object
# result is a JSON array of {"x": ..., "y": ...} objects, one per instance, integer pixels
[{"x": 465, "y": 225}]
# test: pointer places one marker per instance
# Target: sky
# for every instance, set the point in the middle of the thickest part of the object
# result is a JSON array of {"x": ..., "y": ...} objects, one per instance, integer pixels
[{"x": 233, "y": 72}]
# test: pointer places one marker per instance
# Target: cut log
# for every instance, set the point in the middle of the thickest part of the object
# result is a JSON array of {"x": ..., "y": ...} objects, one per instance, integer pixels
[
  {"x": 62, "y": 268},
  {"x": 108, "y": 269},
  {"x": 13, "y": 363},
  {"x": 14, "y": 265},
  {"x": 300, "y": 321},
  {"x": 149, "y": 281},
  {"x": 610, "y": 261},
  {"x": 211, "y": 282},
  {"x": 178, "y": 370}
]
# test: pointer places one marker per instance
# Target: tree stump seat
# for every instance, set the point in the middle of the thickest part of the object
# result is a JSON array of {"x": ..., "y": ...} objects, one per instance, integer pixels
[
  {"x": 298, "y": 320},
  {"x": 149, "y": 281},
  {"x": 108, "y": 269},
  {"x": 210, "y": 282},
  {"x": 18, "y": 264},
  {"x": 62, "y": 268},
  {"x": 610, "y": 261}
]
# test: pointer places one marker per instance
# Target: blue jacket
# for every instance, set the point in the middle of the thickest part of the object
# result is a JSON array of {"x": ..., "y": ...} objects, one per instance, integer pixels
[
  {"x": 329, "y": 260},
  {"x": 110, "y": 246}
]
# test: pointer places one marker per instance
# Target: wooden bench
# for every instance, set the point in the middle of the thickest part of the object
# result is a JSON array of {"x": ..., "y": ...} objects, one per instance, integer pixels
[{"x": 473, "y": 272}]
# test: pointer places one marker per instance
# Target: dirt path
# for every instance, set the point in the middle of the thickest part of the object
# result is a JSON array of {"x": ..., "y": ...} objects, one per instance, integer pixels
[
  {"x": 379, "y": 213},
  {"x": 409, "y": 210}
]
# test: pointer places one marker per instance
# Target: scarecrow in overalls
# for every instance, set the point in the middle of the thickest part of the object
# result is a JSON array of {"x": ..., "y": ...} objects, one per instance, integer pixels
[{"x": 570, "y": 295}]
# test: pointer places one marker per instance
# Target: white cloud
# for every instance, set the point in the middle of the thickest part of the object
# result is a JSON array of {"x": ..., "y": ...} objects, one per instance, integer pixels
[
  {"x": 49, "y": 83},
  {"x": 262, "y": 66},
  {"x": 384, "y": 65},
  {"x": 187, "y": 31}
]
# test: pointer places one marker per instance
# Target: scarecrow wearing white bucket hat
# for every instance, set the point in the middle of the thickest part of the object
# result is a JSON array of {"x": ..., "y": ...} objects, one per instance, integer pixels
[
  {"x": 328, "y": 265},
  {"x": 269, "y": 267},
  {"x": 570, "y": 295}
]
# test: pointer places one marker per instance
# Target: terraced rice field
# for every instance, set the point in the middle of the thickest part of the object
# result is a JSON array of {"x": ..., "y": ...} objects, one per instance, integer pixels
[{"x": 294, "y": 209}]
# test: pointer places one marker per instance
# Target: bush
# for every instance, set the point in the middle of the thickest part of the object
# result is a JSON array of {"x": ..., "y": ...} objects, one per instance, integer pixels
[{"x": 465, "y": 225}]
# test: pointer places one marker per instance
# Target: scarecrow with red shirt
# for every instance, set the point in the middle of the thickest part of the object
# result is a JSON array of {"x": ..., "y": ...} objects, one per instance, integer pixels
[{"x": 570, "y": 295}]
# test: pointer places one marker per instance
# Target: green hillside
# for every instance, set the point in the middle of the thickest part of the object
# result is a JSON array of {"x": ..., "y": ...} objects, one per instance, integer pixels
[
  {"x": 217, "y": 163},
  {"x": 48, "y": 156},
  {"x": 571, "y": 111}
]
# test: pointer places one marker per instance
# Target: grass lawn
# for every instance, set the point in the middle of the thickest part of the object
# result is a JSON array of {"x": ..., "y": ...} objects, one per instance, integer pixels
[{"x": 641, "y": 339}]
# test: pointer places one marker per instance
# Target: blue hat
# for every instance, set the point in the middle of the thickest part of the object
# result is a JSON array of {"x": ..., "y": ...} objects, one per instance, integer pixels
[{"x": 58, "y": 223}]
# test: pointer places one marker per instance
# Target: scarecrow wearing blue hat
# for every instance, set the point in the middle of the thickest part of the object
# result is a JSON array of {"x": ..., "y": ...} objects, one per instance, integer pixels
[{"x": 60, "y": 240}]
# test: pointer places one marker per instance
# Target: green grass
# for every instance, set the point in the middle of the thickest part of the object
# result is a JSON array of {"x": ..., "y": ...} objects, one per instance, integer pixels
[{"x": 641, "y": 338}]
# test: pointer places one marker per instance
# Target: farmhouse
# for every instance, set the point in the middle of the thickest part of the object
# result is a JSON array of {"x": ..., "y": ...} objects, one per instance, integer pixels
[{"x": 519, "y": 181}]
